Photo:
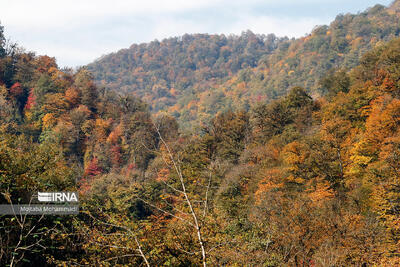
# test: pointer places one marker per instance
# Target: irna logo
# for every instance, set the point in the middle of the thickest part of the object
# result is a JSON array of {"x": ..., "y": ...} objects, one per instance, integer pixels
[{"x": 58, "y": 196}]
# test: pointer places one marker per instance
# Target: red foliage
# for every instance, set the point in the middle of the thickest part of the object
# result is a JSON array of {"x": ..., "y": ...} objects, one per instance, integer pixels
[
  {"x": 31, "y": 100},
  {"x": 16, "y": 90},
  {"x": 93, "y": 168},
  {"x": 116, "y": 155}
]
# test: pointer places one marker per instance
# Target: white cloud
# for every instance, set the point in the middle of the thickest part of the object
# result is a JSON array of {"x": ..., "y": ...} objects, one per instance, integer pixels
[
  {"x": 70, "y": 56},
  {"x": 51, "y": 13}
]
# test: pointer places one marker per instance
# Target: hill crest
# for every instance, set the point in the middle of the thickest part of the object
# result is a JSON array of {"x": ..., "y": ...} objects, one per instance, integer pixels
[{"x": 196, "y": 76}]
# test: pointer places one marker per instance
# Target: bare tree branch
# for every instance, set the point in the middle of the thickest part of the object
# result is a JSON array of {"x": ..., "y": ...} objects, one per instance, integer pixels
[{"x": 178, "y": 170}]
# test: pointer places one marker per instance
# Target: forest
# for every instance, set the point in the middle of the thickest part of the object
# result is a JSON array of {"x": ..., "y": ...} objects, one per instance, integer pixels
[
  {"x": 302, "y": 169},
  {"x": 193, "y": 77}
]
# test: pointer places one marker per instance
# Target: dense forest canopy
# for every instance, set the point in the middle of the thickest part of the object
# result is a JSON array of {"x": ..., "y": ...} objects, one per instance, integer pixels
[
  {"x": 161, "y": 72},
  {"x": 301, "y": 179},
  {"x": 196, "y": 76}
]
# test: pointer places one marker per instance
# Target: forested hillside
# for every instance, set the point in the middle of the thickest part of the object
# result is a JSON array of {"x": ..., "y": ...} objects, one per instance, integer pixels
[
  {"x": 196, "y": 76},
  {"x": 296, "y": 181},
  {"x": 162, "y": 72}
]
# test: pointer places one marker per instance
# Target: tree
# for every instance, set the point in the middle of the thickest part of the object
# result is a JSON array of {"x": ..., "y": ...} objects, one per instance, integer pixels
[
  {"x": 2, "y": 42},
  {"x": 182, "y": 190},
  {"x": 226, "y": 136},
  {"x": 84, "y": 82},
  {"x": 27, "y": 167}
]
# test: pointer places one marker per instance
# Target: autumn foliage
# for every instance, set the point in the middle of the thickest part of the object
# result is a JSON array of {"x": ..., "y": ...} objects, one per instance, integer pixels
[{"x": 304, "y": 179}]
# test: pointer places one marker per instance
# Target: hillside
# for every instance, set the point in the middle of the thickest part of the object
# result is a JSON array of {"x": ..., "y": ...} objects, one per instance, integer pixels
[
  {"x": 161, "y": 72},
  {"x": 195, "y": 76},
  {"x": 298, "y": 181}
]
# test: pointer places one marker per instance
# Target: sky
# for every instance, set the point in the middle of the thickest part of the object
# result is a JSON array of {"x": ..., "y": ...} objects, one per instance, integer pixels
[{"x": 77, "y": 32}]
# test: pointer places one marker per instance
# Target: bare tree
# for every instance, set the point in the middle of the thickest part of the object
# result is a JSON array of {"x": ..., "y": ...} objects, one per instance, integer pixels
[
  {"x": 131, "y": 234},
  {"x": 194, "y": 221},
  {"x": 26, "y": 229}
]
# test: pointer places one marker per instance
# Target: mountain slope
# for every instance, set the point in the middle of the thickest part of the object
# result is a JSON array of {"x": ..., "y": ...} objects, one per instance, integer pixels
[
  {"x": 160, "y": 71},
  {"x": 196, "y": 76}
]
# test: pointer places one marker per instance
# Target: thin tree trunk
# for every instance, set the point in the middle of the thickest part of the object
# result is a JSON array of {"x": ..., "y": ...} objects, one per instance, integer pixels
[{"x": 189, "y": 203}]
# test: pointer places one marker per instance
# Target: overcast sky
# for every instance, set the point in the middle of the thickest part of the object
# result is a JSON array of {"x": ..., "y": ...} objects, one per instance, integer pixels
[{"x": 77, "y": 32}]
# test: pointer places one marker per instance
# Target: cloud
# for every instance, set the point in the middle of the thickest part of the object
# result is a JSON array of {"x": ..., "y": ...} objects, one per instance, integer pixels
[{"x": 50, "y": 13}]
